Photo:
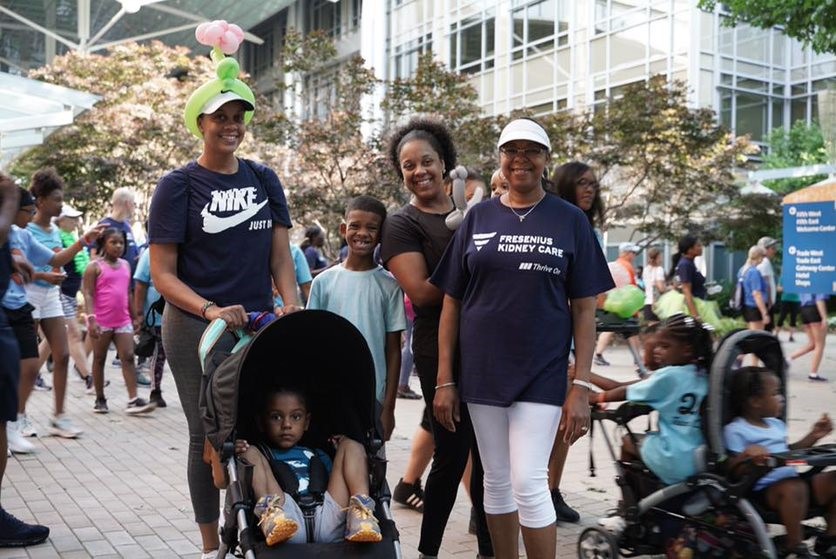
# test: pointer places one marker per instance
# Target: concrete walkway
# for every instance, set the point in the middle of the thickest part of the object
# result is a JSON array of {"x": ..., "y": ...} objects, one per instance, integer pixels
[{"x": 120, "y": 490}]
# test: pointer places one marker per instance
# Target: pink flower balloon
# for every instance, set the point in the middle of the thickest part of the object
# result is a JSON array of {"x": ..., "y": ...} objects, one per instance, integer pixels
[{"x": 226, "y": 36}]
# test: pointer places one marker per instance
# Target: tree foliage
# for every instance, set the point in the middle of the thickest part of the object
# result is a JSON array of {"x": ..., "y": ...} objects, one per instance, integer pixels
[
  {"x": 134, "y": 134},
  {"x": 802, "y": 145},
  {"x": 809, "y": 21}
]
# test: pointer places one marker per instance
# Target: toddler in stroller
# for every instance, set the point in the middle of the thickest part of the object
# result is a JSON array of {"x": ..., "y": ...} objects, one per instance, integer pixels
[
  {"x": 284, "y": 472},
  {"x": 756, "y": 432},
  {"x": 339, "y": 394}
]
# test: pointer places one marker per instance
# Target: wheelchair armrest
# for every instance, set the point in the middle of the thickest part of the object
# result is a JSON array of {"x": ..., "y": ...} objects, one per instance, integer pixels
[{"x": 817, "y": 456}]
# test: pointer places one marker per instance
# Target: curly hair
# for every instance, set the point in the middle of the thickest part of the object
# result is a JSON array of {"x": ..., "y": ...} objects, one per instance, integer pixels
[
  {"x": 45, "y": 181},
  {"x": 564, "y": 181},
  {"x": 423, "y": 128},
  {"x": 691, "y": 331}
]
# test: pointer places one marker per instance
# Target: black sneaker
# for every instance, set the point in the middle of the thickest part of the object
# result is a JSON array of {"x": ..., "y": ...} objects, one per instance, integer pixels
[
  {"x": 100, "y": 406},
  {"x": 826, "y": 546},
  {"x": 409, "y": 495},
  {"x": 801, "y": 551},
  {"x": 564, "y": 512},
  {"x": 157, "y": 398},
  {"x": 16, "y": 533},
  {"x": 138, "y": 405}
]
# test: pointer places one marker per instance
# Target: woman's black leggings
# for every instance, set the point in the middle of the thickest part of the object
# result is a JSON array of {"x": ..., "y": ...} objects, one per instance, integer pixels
[
  {"x": 791, "y": 308},
  {"x": 449, "y": 461}
]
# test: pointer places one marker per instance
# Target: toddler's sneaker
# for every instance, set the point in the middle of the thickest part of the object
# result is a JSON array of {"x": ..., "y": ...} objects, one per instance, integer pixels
[
  {"x": 17, "y": 443},
  {"x": 27, "y": 428},
  {"x": 801, "y": 551},
  {"x": 41, "y": 384},
  {"x": 360, "y": 523},
  {"x": 62, "y": 426},
  {"x": 138, "y": 405},
  {"x": 16, "y": 533},
  {"x": 409, "y": 495},
  {"x": 100, "y": 406},
  {"x": 826, "y": 546},
  {"x": 277, "y": 528},
  {"x": 613, "y": 524}
]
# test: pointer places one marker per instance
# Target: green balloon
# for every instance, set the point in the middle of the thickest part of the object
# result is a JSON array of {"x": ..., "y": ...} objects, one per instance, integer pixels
[{"x": 624, "y": 301}]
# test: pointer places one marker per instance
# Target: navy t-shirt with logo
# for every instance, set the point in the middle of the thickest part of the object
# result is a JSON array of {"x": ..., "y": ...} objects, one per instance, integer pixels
[
  {"x": 223, "y": 226},
  {"x": 687, "y": 272},
  {"x": 514, "y": 280}
]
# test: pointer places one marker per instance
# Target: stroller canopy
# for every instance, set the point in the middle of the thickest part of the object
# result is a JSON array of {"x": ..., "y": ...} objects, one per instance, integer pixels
[
  {"x": 723, "y": 368},
  {"x": 317, "y": 353}
]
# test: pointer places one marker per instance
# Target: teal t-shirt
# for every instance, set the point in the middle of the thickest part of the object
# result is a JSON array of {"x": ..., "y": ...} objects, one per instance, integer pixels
[
  {"x": 50, "y": 239},
  {"x": 371, "y": 300},
  {"x": 676, "y": 392},
  {"x": 143, "y": 274}
]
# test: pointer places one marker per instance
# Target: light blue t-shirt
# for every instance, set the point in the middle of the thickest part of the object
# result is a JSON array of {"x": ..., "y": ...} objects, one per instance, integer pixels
[
  {"x": 37, "y": 254},
  {"x": 753, "y": 281},
  {"x": 50, "y": 239},
  {"x": 300, "y": 266},
  {"x": 740, "y": 435},
  {"x": 676, "y": 392},
  {"x": 143, "y": 274},
  {"x": 371, "y": 300}
]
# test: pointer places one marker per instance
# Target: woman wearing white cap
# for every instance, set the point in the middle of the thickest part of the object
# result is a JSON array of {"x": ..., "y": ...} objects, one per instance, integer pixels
[
  {"x": 218, "y": 229},
  {"x": 519, "y": 259}
]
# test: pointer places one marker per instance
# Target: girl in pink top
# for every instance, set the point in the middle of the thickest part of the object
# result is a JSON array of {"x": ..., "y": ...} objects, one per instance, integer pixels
[{"x": 106, "y": 286}]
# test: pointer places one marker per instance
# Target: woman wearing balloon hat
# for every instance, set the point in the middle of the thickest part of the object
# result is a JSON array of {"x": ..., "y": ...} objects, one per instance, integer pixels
[{"x": 218, "y": 229}]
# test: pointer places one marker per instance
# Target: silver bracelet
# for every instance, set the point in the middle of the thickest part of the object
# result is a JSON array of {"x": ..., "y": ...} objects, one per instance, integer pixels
[
  {"x": 585, "y": 384},
  {"x": 445, "y": 385}
]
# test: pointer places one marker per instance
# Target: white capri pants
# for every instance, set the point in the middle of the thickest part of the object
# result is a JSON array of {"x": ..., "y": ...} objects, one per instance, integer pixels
[{"x": 515, "y": 444}]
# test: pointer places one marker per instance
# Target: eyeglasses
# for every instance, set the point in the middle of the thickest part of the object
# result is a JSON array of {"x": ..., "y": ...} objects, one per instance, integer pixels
[
  {"x": 584, "y": 183},
  {"x": 528, "y": 153}
]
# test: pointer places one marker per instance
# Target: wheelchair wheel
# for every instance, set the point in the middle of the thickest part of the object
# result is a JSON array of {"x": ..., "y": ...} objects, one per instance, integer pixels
[{"x": 595, "y": 543}]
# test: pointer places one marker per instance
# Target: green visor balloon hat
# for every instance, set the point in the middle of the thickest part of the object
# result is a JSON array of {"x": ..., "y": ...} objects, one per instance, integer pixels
[{"x": 224, "y": 38}]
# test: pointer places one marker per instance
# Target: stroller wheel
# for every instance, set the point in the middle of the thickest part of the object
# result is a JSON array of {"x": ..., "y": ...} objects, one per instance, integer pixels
[{"x": 595, "y": 543}]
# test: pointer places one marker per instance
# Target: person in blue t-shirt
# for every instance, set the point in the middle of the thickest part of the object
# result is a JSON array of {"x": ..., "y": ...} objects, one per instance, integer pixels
[
  {"x": 756, "y": 432},
  {"x": 303, "y": 276},
  {"x": 312, "y": 247},
  {"x": 218, "y": 234},
  {"x": 146, "y": 295},
  {"x": 685, "y": 274},
  {"x": 13, "y": 532},
  {"x": 755, "y": 291},
  {"x": 814, "y": 317},
  {"x": 519, "y": 259},
  {"x": 347, "y": 511},
  {"x": 682, "y": 350}
]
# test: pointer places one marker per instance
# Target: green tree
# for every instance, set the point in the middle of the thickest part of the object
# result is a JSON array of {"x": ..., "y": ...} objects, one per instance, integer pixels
[
  {"x": 802, "y": 145},
  {"x": 131, "y": 137},
  {"x": 809, "y": 21}
]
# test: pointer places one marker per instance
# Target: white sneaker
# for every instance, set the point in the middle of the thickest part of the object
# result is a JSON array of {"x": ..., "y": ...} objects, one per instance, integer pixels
[
  {"x": 17, "y": 444},
  {"x": 613, "y": 524},
  {"x": 27, "y": 428},
  {"x": 62, "y": 426}
]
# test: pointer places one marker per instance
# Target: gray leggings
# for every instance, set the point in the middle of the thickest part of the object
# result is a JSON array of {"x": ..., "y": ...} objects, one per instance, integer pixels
[{"x": 181, "y": 337}]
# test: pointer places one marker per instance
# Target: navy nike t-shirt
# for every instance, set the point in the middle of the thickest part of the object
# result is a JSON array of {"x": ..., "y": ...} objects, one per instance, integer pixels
[
  {"x": 514, "y": 280},
  {"x": 223, "y": 226}
]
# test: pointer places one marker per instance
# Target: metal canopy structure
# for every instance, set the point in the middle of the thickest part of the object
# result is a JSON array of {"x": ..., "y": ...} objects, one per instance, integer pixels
[
  {"x": 33, "y": 31},
  {"x": 32, "y": 110}
]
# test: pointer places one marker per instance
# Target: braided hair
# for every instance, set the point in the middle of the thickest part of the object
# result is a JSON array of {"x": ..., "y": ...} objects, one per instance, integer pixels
[{"x": 691, "y": 331}]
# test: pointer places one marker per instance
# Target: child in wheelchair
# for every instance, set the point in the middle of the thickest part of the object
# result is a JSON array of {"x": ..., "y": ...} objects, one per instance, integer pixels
[
  {"x": 754, "y": 434},
  {"x": 346, "y": 511}
]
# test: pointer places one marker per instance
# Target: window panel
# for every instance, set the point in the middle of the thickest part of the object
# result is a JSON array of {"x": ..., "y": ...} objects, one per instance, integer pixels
[
  {"x": 777, "y": 114},
  {"x": 541, "y": 20},
  {"x": 751, "y": 116}
]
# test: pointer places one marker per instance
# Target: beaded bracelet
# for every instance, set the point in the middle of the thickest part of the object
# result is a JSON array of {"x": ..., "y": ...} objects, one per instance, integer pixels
[{"x": 206, "y": 307}]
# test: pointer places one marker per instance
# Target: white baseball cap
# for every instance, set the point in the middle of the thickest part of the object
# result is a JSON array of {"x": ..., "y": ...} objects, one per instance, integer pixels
[
  {"x": 524, "y": 129},
  {"x": 69, "y": 211},
  {"x": 629, "y": 247},
  {"x": 220, "y": 99}
]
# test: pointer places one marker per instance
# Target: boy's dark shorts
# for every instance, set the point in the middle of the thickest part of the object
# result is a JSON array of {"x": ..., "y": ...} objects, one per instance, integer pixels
[
  {"x": 23, "y": 326},
  {"x": 810, "y": 314},
  {"x": 759, "y": 497},
  {"x": 9, "y": 371}
]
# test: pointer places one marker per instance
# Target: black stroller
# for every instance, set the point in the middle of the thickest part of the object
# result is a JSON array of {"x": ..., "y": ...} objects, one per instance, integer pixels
[
  {"x": 340, "y": 391},
  {"x": 708, "y": 513}
]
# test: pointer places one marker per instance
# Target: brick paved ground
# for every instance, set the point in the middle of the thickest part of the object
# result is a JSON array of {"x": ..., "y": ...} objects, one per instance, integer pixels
[{"x": 120, "y": 490}]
